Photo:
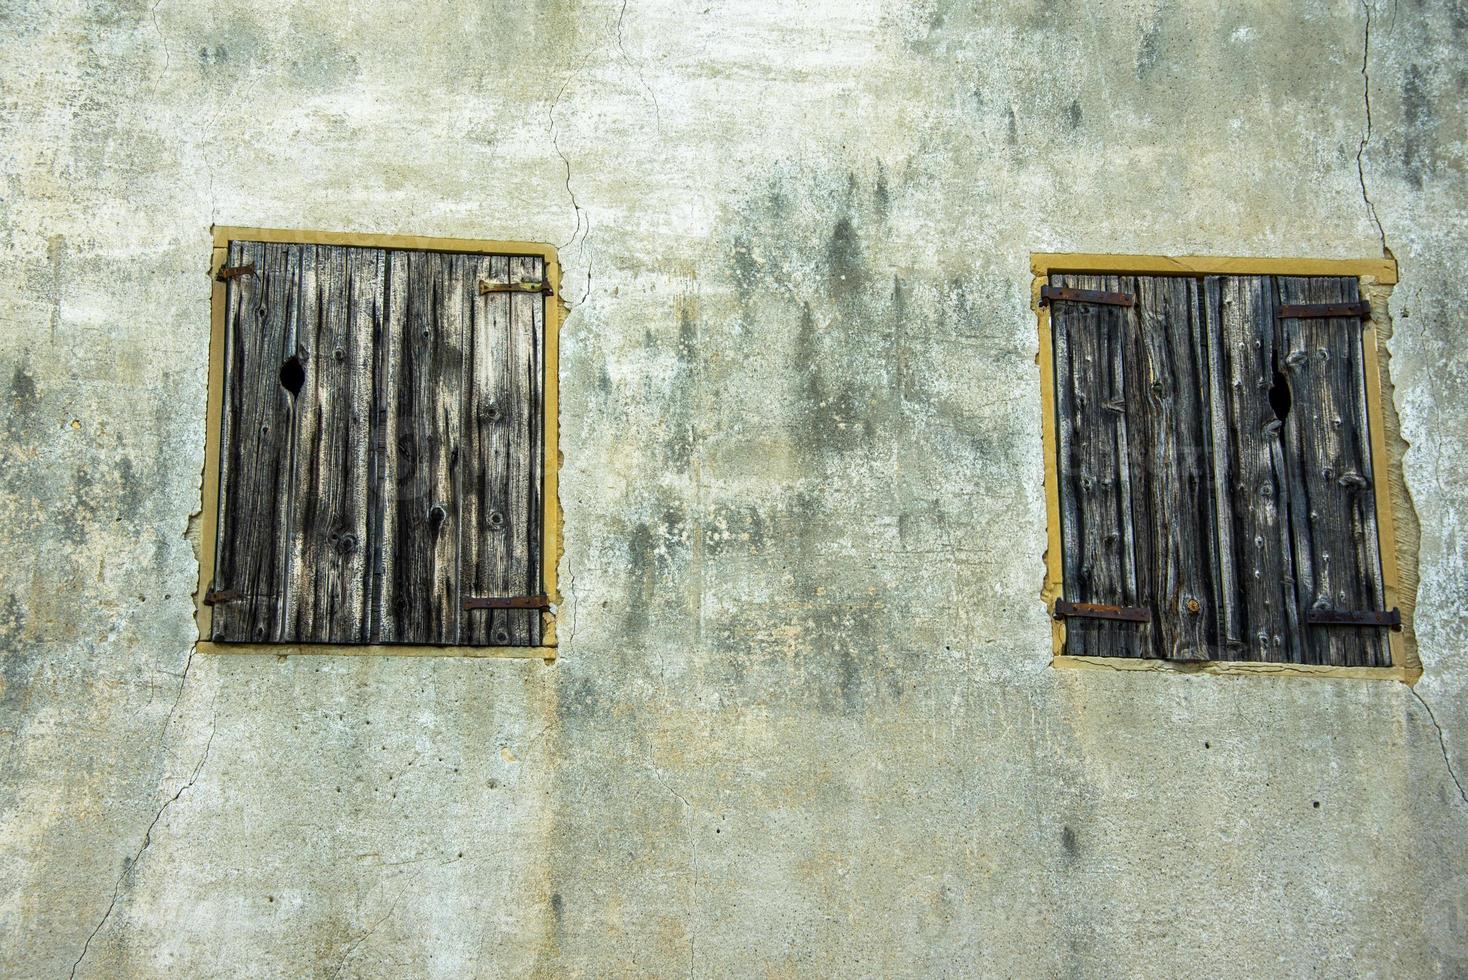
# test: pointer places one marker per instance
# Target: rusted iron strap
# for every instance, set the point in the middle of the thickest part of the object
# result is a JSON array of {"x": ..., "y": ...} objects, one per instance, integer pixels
[
  {"x": 228, "y": 272},
  {"x": 1317, "y": 311},
  {"x": 1051, "y": 293},
  {"x": 1096, "y": 610},
  {"x": 543, "y": 288},
  {"x": 213, "y": 598},
  {"x": 507, "y": 602},
  {"x": 1354, "y": 617}
]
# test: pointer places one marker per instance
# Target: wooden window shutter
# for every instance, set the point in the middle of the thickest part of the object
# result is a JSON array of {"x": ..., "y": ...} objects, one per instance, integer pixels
[
  {"x": 1099, "y": 509},
  {"x": 381, "y": 448},
  {"x": 1259, "y": 619},
  {"x": 1215, "y": 473},
  {"x": 1332, "y": 495},
  {"x": 1298, "y": 535},
  {"x": 1137, "y": 507}
]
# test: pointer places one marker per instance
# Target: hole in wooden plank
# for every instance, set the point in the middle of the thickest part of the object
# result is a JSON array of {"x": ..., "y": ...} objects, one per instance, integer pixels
[
  {"x": 292, "y": 376},
  {"x": 1279, "y": 396}
]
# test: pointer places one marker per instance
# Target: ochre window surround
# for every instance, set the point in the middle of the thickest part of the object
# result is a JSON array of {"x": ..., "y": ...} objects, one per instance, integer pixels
[
  {"x": 1396, "y": 523},
  {"x": 538, "y": 256}
]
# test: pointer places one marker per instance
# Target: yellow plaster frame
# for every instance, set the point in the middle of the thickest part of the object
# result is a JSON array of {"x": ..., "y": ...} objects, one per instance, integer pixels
[
  {"x": 551, "y": 533},
  {"x": 1374, "y": 274}
]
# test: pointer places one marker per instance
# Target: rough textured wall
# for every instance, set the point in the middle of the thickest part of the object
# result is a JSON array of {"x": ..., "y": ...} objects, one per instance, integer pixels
[{"x": 803, "y": 722}]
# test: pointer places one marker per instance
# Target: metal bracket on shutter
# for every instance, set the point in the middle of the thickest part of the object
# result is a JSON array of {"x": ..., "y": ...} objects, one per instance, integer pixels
[
  {"x": 1051, "y": 293},
  {"x": 1096, "y": 610},
  {"x": 1355, "y": 617},
  {"x": 508, "y": 602},
  {"x": 1318, "y": 311},
  {"x": 543, "y": 288},
  {"x": 213, "y": 598},
  {"x": 228, "y": 272}
]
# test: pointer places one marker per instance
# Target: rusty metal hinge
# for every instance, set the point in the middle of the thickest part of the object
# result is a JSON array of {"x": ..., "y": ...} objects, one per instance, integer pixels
[
  {"x": 1096, "y": 610},
  {"x": 1317, "y": 311},
  {"x": 508, "y": 602},
  {"x": 543, "y": 288},
  {"x": 1051, "y": 293},
  {"x": 228, "y": 272},
  {"x": 1355, "y": 617},
  {"x": 213, "y": 598}
]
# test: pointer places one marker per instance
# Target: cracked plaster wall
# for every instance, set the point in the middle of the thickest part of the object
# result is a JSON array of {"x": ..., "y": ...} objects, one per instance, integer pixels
[{"x": 803, "y": 722}]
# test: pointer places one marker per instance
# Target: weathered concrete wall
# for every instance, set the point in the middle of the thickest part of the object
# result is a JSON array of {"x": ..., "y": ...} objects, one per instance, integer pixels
[{"x": 803, "y": 722}]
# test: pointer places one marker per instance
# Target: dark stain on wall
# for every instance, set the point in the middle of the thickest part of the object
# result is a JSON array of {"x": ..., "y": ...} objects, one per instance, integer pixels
[
  {"x": 22, "y": 407},
  {"x": 1418, "y": 131},
  {"x": 845, "y": 267},
  {"x": 14, "y": 673},
  {"x": 579, "y": 698},
  {"x": 734, "y": 530},
  {"x": 833, "y": 416},
  {"x": 1149, "y": 51},
  {"x": 881, "y": 197},
  {"x": 657, "y": 552}
]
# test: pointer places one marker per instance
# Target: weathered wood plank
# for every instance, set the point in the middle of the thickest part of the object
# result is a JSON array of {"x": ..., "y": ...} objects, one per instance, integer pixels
[
  {"x": 1257, "y": 614},
  {"x": 487, "y": 414},
  {"x": 254, "y": 503},
  {"x": 1328, "y": 454},
  {"x": 501, "y": 415},
  {"x": 1172, "y": 467},
  {"x": 1098, "y": 509},
  {"x": 527, "y": 326},
  {"x": 423, "y": 378},
  {"x": 342, "y": 292}
]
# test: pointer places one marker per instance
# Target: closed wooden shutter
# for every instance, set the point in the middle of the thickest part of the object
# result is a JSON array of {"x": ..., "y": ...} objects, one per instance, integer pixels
[
  {"x": 1105, "y": 514},
  {"x": 381, "y": 447},
  {"x": 1215, "y": 469},
  {"x": 1332, "y": 489},
  {"x": 1137, "y": 499}
]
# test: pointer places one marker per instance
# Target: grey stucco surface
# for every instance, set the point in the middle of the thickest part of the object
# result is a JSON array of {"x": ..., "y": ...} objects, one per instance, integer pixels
[{"x": 803, "y": 721}]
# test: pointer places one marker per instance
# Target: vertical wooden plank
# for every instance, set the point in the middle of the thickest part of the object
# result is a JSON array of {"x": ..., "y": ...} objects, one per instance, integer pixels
[
  {"x": 1257, "y": 613},
  {"x": 527, "y": 327},
  {"x": 383, "y": 460},
  {"x": 423, "y": 378},
  {"x": 250, "y": 557},
  {"x": 1172, "y": 467},
  {"x": 1098, "y": 509},
  {"x": 488, "y": 412},
  {"x": 329, "y": 518},
  {"x": 1328, "y": 452}
]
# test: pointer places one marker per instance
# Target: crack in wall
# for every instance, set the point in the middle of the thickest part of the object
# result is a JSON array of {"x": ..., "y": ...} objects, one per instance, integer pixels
[
  {"x": 177, "y": 698},
  {"x": 583, "y": 216},
  {"x": 576, "y": 208},
  {"x": 657, "y": 110},
  {"x": 1366, "y": 134},
  {"x": 147, "y": 841},
  {"x": 162, "y": 39},
  {"x": 1442, "y": 744}
]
